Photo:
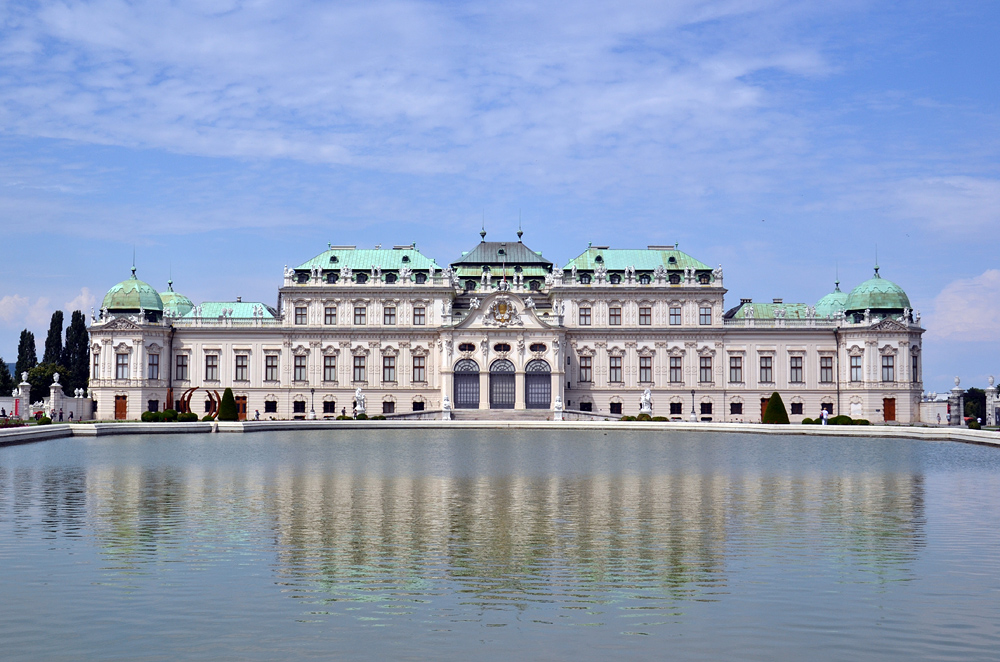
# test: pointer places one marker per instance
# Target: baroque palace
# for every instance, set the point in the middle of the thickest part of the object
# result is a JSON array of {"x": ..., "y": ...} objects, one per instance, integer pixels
[{"x": 504, "y": 328}]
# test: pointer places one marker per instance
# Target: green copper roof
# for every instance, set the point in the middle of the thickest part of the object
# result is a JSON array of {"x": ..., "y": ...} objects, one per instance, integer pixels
[
  {"x": 488, "y": 252},
  {"x": 363, "y": 259},
  {"x": 131, "y": 295},
  {"x": 174, "y": 304},
  {"x": 833, "y": 304},
  {"x": 241, "y": 309},
  {"x": 766, "y": 311},
  {"x": 616, "y": 259},
  {"x": 877, "y": 294}
]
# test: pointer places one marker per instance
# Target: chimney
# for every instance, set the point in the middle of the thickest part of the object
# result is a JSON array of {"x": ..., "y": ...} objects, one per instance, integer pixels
[
  {"x": 239, "y": 299},
  {"x": 744, "y": 302},
  {"x": 778, "y": 300}
]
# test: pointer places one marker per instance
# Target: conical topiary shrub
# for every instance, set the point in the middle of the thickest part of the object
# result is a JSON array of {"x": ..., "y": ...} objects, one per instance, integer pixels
[
  {"x": 775, "y": 411},
  {"x": 229, "y": 412}
]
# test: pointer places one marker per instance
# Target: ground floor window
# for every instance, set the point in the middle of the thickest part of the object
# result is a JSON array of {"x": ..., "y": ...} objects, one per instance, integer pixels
[
  {"x": 153, "y": 405},
  {"x": 706, "y": 408},
  {"x": 676, "y": 408},
  {"x": 586, "y": 406},
  {"x": 827, "y": 407},
  {"x": 299, "y": 407},
  {"x": 330, "y": 407},
  {"x": 388, "y": 407},
  {"x": 271, "y": 407},
  {"x": 418, "y": 406},
  {"x": 736, "y": 408},
  {"x": 796, "y": 409},
  {"x": 616, "y": 408}
]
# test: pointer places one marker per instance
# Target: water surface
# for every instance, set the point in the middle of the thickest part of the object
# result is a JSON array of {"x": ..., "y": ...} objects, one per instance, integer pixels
[{"x": 493, "y": 544}]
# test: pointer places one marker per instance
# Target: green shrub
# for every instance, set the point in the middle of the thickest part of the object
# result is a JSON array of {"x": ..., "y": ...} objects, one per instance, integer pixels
[
  {"x": 45, "y": 420},
  {"x": 775, "y": 413},
  {"x": 343, "y": 418},
  {"x": 660, "y": 419},
  {"x": 227, "y": 408},
  {"x": 627, "y": 418},
  {"x": 643, "y": 417},
  {"x": 975, "y": 425},
  {"x": 860, "y": 421},
  {"x": 378, "y": 417},
  {"x": 206, "y": 417},
  {"x": 169, "y": 415},
  {"x": 362, "y": 417},
  {"x": 840, "y": 420},
  {"x": 187, "y": 417},
  {"x": 807, "y": 421},
  {"x": 146, "y": 417}
]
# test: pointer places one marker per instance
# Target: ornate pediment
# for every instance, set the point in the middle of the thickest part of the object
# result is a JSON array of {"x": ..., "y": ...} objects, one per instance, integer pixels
[
  {"x": 502, "y": 310},
  {"x": 120, "y": 323},
  {"x": 888, "y": 324}
]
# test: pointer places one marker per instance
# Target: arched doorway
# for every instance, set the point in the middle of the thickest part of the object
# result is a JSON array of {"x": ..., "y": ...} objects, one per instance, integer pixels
[
  {"x": 466, "y": 384},
  {"x": 538, "y": 385},
  {"x": 502, "y": 387}
]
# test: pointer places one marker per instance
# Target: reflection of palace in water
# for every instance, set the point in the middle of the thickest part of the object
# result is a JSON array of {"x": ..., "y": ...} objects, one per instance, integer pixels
[{"x": 674, "y": 531}]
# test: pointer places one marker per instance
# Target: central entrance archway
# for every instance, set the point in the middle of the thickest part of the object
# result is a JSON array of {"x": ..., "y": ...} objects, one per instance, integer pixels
[
  {"x": 537, "y": 385},
  {"x": 466, "y": 384},
  {"x": 502, "y": 385}
]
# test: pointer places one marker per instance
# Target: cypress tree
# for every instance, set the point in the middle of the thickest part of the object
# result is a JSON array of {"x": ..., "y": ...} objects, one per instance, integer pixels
[
  {"x": 27, "y": 355},
  {"x": 227, "y": 408},
  {"x": 76, "y": 353},
  {"x": 53, "y": 341},
  {"x": 775, "y": 412},
  {"x": 6, "y": 381}
]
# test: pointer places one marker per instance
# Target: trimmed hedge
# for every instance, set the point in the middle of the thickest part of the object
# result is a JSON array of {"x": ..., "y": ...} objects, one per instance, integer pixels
[
  {"x": 362, "y": 417},
  {"x": 45, "y": 420},
  {"x": 659, "y": 419},
  {"x": 775, "y": 413},
  {"x": 187, "y": 417},
  {"x": 206, "y": 418},
  {"x": 227, "y": 408},
  {"x": 643, "y": 417}
]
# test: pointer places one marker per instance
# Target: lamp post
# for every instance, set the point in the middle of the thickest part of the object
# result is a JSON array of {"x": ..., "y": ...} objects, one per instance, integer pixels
[
  {"x": 694, "y": 416},
  {"x": 312, "y": 403}
]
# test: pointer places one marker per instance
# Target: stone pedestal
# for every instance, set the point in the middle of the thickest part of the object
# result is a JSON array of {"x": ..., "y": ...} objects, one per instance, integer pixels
[
  {"x": 956, "y": 402},
  {"x": 992, "y": 403},
  {"x": 557, "y": 410},
  {"x": 24, "y": 389},
  {"x": 55, "y": 398},
  {"x": 446, "y": 409}
]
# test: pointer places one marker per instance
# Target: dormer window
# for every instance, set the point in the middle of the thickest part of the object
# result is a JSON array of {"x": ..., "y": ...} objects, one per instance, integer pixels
[
  {"x": 421, "y": 279},
  {"x": 517, "y": 270},
  {"x": 406, "y": 258},
  {"x": 644, "y": 279},
  {"x": 585, "y": 279},
  {"x": 598, "y": 259},
  {"x": 302, "y": 277},
  {"x": 675, "y": 279},
  {"x": 704, "y": 279},
  {"x": 672, "y": 260},
  {"x": 470, "y": 285},
  {"x": 615, "y": 279},
  {"x": 362, "y": 278},
  {"x": 331, "y": 277},
  {"x": 390, "y": 278},
  {"x": 333, "y": 258}
]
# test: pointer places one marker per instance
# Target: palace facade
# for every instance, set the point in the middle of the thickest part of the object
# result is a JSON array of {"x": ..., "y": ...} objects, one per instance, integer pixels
[{"x": 502, "y": 327}]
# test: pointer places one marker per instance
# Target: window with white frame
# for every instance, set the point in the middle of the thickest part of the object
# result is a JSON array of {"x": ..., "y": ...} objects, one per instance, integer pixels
[
  {"x": 586, "y": 369},
  {"x": 96, "y": 372},
  {"x": 271, "y": 368},
  {"x": 645, "y": 369},
  {"x": 330, "y": 315},
  {"x": 615, "y": 369},
  {"x": 645, "y": 316},
  {"x": 300, "y": 368},
  {"x": 676, "y": 370},
  {"x": 388, "y": 368},
  {"x": 181, "y": 367},
  {"x": 736, "y": 369},
  {"x": 153, "y": 366},
  {"x": 419, "y": 369},
  {"x": 705, "y": 315},
  {"x": 389, "y": 315},
  {"x": 888, "y": 368},
  {"x": 705, "y": 369},
  {"x": 121, "y": 366},
  {"x": 826, "y": 369},
  {"x": 359, "y": 369},
  {"x": 211, "y": 367},
  {"x": 419, "y": 316},
  {"x": 329, "y": 368},
  {"x": 766, "y": 369},
  {"x": 795, "y": 370},
  {"x": 585, "y": 316},
  {"x": 615, "y": 316},
  {"x": 675, "y": 316},
  {"x": 301, "y": 315},
  {"x": 360, "y": 315},
  {"x": 242, "y": 368},
  {"x": 856, "y": 373}
]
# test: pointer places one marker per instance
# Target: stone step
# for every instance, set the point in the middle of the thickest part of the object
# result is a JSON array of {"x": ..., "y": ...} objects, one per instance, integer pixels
[{"x": 501, "y": 415}]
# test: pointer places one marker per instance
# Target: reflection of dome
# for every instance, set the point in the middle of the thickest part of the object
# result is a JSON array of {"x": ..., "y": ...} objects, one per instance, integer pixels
[
  {"x": 131, "y": 295},
  {"x": 833, "y": 304},
  {"x": 174, "y": 304},
  {"x": 877, "y": 295}
]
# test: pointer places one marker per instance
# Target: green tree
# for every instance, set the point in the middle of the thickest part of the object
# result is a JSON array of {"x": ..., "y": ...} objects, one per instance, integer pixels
[
  {"x": 775, "y": 411},
  {"x": 41, "y": 377},
  {"x": 227, "y": 408},
  {"x": 76, "y": 353},
  {"x": 27, "y": 356},
  {"x": 975, "y": 403},
  {"x": 6, "y": 381},
  {"x": 53, "y": 341}
]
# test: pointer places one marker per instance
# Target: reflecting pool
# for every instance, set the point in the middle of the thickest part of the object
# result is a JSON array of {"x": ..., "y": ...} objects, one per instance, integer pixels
[{"x": 498, "y": 545}]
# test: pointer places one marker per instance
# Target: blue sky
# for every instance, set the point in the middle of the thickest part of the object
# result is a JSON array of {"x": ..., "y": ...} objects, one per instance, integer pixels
[{"x": 782, "y": 139}]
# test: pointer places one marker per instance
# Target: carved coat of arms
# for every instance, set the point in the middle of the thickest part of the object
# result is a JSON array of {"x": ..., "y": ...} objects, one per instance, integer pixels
[{"x": 502, "y": 312}]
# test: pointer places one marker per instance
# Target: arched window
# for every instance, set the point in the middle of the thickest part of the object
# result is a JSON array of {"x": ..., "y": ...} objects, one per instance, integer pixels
[
  {"x": 644, "y": 279},
  {"x": 537, "y": 385},
  {"x": 421, "y": 279},
  {"x": 390, "y": 278},
  {"x": 615, "y": 279},
  {"x": 333, "y": 258},
  {"x": 362, "y": 278},
  {"x": 675, "y": 279},
  {"x": 704, "y": 279},
  {"x": 470, "y": 285},
  {"x": 332, "y": 276},
  {"x": 585, "y": 279},
  {"x": 466, "y": 391}
]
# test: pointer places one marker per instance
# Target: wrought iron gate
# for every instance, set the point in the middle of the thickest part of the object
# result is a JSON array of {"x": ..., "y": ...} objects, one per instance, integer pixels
[
  {"x": 538, "y": 385},
  {"x": 466, "y": 384},
  {"x": 502, "y": 385}
]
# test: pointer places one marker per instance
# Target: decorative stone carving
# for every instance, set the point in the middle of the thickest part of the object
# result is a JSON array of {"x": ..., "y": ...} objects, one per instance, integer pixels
[
  {"x": 474, "y": 304},
  {"x": 646, "y": 402},
  {"x": 359, "y": 401},
  {"x": 502, "y": 312},
  {"x": 405, "y": 273}
]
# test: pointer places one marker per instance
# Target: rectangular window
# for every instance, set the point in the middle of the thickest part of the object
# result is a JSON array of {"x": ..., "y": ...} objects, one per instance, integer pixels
[
  {"x": 736, "y": 369},
  {"x": 676, "y": 370},
  {"x": 586, "y": 406},
  {"x": 419, "y": 369},
  {"x": 121, "y": 366},
  {"x": 212, "y": 367},
  {"x": 705, "y": 369},
  {"x": 676, "y": 408},
  {"x": 271, "y": 368},
  {"x": 706, "y": 408},
  {"x": 675, "y": 317},
  {"x": 360, "y": 316},
  {"x": 419, "y": 316},
  {"x": 616, "y": 408},
  {"x": 914, "y": 369},
  {"x": 153, "y": 367},
  {"x": 388, "y": 368},
  {"x": 615, "y": 317},
  {"x": 96, "y": 372},
  {"x": 152, "y": 405},
  {"x": 388, "y": 407},
  {"x": 645, "y": 369},
  {"x": 330, "y": 315},
  {"x": 615, "y": 369},
  {"x": 586, "y": 369},
  {"x": 329, "y": 407},
  {"x": 418, "y": 405},
  {"x": 856, "y": 369},
  {"x": 329, "y": 368},
  {"x": 888, "y": 368},
  {"x": 359, "y": 369},
  {"x": 585, "y": 317},
  {"x": 795, "y": 372},
  {"x": 299, "y": 407},
  {"x": 242, "y": 368},
  {"x": 704, "y": 316},
  {"x": 300, "y": 369},
  {"x": 270, "y": 406},
  {"x": 301, "y": 315},
  {"x": 181, "y": 367},
  {"x": 796, "y": 409},
  {"x": 645, "y": 316},
  {"x": 736, "y": 408},
  {"x": 766, "y": 370},
  {"x": 389, "y": 316},
  {"x": 826, "y": 369}
]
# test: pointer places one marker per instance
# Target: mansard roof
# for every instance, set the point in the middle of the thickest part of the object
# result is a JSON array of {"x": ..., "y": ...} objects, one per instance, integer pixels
[
  {"x": 766, "y": 310},
  {"x": 241, "y": 309},
  {"x": 617, "y": 259},
  {"x": 362, "y": 259},
  {"x": 488, "y": 253}
]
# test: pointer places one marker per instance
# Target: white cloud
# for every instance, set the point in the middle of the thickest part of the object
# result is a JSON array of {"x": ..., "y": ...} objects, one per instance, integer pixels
[
  {"x": 12, "y": 307},
  {"x": 39, "y": 314},
  {"x": 950, "y": 203},
  {"x": 82, "y": 301},
  {"x": 967, "y": 309}
]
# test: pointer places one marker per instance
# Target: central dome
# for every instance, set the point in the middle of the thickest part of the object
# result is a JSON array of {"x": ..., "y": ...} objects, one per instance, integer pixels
[
  {"x": 877, "y": 295},
  {"x": 131, "y": 295}
]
